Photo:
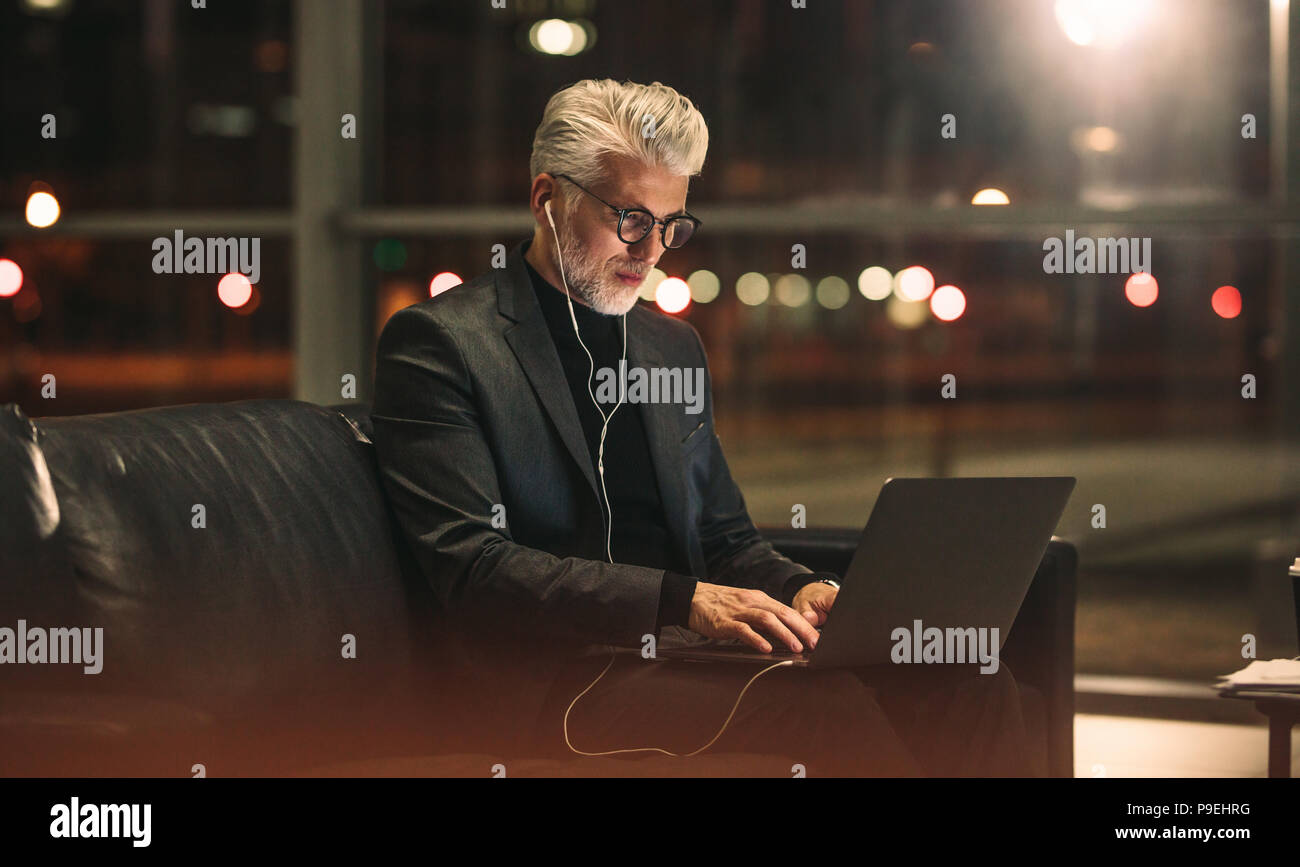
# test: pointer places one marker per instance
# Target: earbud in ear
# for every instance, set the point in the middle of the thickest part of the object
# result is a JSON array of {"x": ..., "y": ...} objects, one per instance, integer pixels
[{"x": 549, "y": 219}]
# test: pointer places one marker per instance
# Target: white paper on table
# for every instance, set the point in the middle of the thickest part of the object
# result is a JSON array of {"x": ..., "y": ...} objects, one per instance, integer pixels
[{"x": 1272, "y": 673}]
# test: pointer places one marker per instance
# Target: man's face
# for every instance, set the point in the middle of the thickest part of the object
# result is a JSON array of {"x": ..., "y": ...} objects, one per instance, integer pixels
[{"x": 600, "y": 269}]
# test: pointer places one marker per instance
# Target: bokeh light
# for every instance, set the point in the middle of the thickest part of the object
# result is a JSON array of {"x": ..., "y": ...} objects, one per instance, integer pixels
[
  {"x": 11, "y": 278},
  {"x": 948, "y": 303},
  {"x": 650, "y": 284},
  {"x": 1141, "y": 289},
  {"x": 443, "y": 281},
  {"x": 990, "y": 196},
  {"x": 792, "y": 290},
  {"x": 833, "y": 292},
  {"x": 672, "y": 295},
  {"x": 906, "y": 314},
  {"x": 913, "y": 284},
  {"x": 1101, "y": 23},
  {"x": 45, "y": 6},
  {"x": 705, "y": 286},
  {"x": 557, "y": 36},
  {"x": 1101, "y": 139},
  {"x": 552, "y": 36},
  {"x": 875, "y": 283},
  {"x": 752, "y": 288},
  {"x": 1226, "y": 302},
  {"x": 234, "y": 290},
  {"x": 42, "y": 209}
]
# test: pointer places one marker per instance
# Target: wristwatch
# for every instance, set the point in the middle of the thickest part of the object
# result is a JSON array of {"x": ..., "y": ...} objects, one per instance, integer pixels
[{"x": 834, "y": 584}]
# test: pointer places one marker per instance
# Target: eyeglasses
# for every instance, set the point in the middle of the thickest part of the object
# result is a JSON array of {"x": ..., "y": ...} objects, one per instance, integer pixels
[{"x": 635, "y": 223}]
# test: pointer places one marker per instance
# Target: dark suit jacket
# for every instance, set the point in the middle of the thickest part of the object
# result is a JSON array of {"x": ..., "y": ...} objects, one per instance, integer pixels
[{"x": 472, "y": 413}]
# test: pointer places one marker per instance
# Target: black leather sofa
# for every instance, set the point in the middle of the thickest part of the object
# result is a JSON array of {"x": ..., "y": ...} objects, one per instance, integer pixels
[{"x": 233, "y": 553}]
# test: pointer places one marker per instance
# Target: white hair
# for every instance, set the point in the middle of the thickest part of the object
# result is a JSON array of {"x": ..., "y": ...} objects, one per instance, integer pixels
[{"x": 593, "y": 118}]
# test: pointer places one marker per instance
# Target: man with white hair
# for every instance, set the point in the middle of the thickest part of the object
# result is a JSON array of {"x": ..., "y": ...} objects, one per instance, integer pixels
[{"x": 551, "y": 518}]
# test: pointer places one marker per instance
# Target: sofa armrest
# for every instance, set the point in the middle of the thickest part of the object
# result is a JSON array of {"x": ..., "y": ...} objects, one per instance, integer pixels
[{"x": 1040, "y": 648}]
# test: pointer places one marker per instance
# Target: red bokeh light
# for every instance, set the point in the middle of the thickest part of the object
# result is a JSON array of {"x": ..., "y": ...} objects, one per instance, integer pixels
[
  {"x": 948, "y": 303},
  {"x": 443, "y": 281},
  {"x": 234, "y": 290},
  {"x": 11, "y": 278},
  {"x": 1141, "y": 289},
  {"x": 1226, "y": 302}
]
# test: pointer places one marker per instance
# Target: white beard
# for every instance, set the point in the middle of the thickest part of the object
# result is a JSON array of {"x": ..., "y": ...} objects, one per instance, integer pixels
[{"x": 589, "y": 280}]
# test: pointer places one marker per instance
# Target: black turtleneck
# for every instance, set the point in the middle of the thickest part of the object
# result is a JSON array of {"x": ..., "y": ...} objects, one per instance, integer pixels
[
  {"x": 639, "y": 530},
  {"x": 639, "y": 534}
]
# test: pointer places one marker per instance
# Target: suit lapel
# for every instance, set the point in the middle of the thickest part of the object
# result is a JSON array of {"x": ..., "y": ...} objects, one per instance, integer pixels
[
  {"x": 530, "y": 340},
  {"x": 662, "y": 430}
]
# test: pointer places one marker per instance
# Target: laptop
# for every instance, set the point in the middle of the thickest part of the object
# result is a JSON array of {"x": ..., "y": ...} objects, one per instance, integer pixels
[{"x": 946, "y": 553}]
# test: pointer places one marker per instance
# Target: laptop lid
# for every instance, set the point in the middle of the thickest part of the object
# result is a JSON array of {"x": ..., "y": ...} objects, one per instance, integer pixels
[{"x": 952, "y": 553}]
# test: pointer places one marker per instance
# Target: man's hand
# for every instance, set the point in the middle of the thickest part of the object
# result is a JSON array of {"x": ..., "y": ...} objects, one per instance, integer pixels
[
  {"x": 719, "y": 611},
  {"x": 814, "y": 601}
]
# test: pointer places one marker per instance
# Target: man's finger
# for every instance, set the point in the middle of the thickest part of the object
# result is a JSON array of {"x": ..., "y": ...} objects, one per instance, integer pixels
[
  {"x": 807, "y": 634},
  {"x": 753, "y": 639},
  {"x": 773, "y": 623}
]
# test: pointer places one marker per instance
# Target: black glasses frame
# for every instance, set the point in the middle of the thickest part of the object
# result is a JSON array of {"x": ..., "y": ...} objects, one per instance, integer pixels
[{"x": 623, "y": 212}]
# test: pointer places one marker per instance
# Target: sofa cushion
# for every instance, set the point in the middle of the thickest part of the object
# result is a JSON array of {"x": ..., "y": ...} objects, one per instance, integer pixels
[{"x": 226, "y": 550}]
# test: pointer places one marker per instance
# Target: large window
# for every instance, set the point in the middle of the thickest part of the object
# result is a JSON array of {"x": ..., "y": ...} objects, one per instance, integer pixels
[{"x": 848, "y": 142}]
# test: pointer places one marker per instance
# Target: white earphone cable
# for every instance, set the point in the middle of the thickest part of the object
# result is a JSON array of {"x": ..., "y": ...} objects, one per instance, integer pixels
[
  {"x": 591, "y": 372},
  {"x": 600, "y": 465},
  {"x": 725, "y": 722}
]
